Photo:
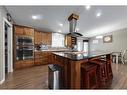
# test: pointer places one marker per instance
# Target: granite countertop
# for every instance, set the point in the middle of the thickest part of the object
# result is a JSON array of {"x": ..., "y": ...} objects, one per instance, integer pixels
[
  {"x": 53, "y": 50},
  {"x": 80, "y": 55}
]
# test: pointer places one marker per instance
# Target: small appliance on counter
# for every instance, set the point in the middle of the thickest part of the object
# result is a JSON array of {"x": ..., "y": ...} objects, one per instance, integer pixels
[{"x": 43, "y": 47}]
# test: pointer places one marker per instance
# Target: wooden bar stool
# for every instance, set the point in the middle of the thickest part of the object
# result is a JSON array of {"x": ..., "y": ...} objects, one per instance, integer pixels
[
  {"x": 88, "y": 76},
  {"x": 109, "y": 71},
  {"x": 101, "y": 72}
]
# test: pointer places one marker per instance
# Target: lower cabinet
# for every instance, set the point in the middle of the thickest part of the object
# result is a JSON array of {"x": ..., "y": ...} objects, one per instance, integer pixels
[
  {"x": 23, "y": 64},
  {"x": 42, "y": 57}
]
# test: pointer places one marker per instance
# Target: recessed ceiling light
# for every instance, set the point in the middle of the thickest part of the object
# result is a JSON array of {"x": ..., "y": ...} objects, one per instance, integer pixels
[
  {"x": 59, "y": 31},
  {"x": 98, "y": 14},
  {"x": 61, "y": 24},
  {"x": 37, "y": 17},
  {"x": 87, "y": 7},
  {"x": 99, "y": 37},
  {"x": 34, "y": 17}
]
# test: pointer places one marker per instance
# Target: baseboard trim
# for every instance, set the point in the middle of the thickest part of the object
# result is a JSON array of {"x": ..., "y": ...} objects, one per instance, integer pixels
[{"x": 2, "y": 81}]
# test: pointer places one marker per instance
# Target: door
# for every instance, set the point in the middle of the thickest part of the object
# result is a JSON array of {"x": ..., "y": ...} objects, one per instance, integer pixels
[
  {"x": 8, "y": 47},
  {"x": 85, "y": 46}
]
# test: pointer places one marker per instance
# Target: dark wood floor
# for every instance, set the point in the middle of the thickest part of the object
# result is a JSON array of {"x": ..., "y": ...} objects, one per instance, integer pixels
[
  {"x": 36, "y": 78},
  {"x": 29, "y": 78}
]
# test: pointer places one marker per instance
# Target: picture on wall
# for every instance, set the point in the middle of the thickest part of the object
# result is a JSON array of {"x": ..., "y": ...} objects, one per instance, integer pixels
[{"x": 107, "y": 39}]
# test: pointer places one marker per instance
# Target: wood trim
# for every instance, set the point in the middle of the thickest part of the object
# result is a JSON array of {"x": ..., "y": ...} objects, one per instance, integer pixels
[
  {"x": 73, "y": 16},
  {"x": 23, "y": 26}
]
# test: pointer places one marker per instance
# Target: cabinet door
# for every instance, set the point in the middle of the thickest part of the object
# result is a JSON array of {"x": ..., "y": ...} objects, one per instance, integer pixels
[
  {"x": 18, "y": 30},
  {"x": 37, "y": 37},
  {"x": 44, "y": 38},
  {"x": 29, "y": 31},
  {"x": 49, "y": 38}
]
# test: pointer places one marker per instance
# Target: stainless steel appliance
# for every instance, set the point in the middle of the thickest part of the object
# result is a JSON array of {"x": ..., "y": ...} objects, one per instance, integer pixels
[
  {"x": 72, "y": 25},
  {"x": 54, "y": 77},
  {"x": 24, "y": 52},
  {"x": 24, "y": 40},
  {"x": 24, "y": 48}
]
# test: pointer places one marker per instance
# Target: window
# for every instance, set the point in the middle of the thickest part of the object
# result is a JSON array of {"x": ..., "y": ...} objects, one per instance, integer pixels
[{"x": 57, "y": 40}]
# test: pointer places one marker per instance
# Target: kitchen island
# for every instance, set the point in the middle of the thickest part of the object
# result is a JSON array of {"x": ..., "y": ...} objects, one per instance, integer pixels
[{"x": 71, "y": 65}]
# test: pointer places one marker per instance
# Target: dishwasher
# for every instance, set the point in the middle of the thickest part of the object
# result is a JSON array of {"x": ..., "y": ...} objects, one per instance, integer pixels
[{"x": 54, "y": 76}]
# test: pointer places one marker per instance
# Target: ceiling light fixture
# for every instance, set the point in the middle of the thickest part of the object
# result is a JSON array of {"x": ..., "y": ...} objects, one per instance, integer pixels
[
  {"x": 37, "y": 17},
  {"x": 99, "y": 37},
  {"x": 34, "y": 17},
  {"x": 59, "y": 31},
  {"x": 61, "y": 24},
  {"x": 98, "y": 14},
  {"x": 87, "y": 7}
]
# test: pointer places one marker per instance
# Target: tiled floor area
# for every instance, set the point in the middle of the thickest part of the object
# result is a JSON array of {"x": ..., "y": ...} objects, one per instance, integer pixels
[{"x": 36, "y": 78}]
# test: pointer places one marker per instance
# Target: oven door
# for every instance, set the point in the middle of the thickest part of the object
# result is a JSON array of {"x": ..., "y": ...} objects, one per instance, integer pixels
[
  {"x": 24, "y": 52},
  {"x": 24, "y": 40}
]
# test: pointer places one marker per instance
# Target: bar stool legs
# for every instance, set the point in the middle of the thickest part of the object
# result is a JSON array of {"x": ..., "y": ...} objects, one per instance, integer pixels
[{"x": 89, "y": 76}]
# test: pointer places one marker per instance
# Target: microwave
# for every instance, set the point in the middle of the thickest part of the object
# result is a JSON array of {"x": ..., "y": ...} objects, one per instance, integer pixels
[{"x": 24, "y": 40}]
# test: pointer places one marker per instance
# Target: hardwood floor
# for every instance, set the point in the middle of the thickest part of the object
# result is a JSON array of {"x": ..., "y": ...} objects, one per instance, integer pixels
[
  {"x": 119, "y": 76},
  {"x": 29, "y": 78},
  {"x": 36, "y": 78}
]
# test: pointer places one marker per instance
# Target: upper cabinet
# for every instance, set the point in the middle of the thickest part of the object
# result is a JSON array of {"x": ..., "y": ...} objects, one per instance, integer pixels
[
  {"x": 43, "y": 38},
  {"x": 18, "y": 30},
  {"x": 21, "y": 30},
  {"x": 29, "y": 31},
  {"x": 37, "y": 37},
  {"x": 48, "y": 39}
]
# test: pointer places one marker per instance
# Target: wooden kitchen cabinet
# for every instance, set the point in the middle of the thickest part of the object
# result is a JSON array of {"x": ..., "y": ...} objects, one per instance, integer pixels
[
  {"x": 22, "y": 30},
  {"x": 38, "y": 58},
  {"x": 46, "y": 57},
  {"x": 46, "y": 38},
  {"x": 28, "y": 31},
  {"x": 49, "y": 38},
  {"x": 43, "y": 38},
  {"x": 23, "y": 64},
  {"x": 37, "y": 37},
  {"x": 18, "y": 30},
  {"x": 70, "y": 41},
  {"x": 42, "y": 57}
]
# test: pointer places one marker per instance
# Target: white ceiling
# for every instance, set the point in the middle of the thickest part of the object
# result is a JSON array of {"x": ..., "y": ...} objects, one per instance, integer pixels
[{"x": 112, "y": 18}]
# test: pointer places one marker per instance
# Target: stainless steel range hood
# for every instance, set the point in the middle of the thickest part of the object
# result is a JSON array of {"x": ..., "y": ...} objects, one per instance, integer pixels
[{"x": 72, "y": 25}]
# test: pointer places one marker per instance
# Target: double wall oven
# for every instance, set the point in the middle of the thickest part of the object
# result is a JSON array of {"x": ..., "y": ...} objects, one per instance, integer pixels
[{"x": 24, "y": 48}]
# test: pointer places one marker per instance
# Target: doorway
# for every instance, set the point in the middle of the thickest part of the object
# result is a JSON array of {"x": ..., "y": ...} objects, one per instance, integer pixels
[{"x": 8, "y": 49}]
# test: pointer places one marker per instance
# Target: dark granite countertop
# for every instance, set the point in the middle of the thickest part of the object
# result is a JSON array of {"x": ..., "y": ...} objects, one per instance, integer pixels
[{"x": 76, "y": 56}]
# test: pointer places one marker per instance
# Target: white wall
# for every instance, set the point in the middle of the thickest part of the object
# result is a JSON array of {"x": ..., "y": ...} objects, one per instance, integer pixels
[
  {"x": 119, "y": 42},
  {"x": 2, "y": 69}
]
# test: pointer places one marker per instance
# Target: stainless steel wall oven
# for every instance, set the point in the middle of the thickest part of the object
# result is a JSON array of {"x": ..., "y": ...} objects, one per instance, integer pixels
[
  {"x": 24, "y": 40},
  {"x": 24, "y": 48},
  {"x": 24, "y": 52}
]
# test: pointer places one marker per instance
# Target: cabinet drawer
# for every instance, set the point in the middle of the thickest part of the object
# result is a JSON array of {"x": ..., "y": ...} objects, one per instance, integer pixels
[
  {"x": 38, "y": 55},
  {"x": 38, "y": 62},
  {"x": 23, "y": 64}
]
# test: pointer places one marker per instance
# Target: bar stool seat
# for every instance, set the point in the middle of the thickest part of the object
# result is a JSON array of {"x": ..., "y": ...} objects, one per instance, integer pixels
[
  {"x": 89, "y": 76},
  {"x": 102, "y": 76}
]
